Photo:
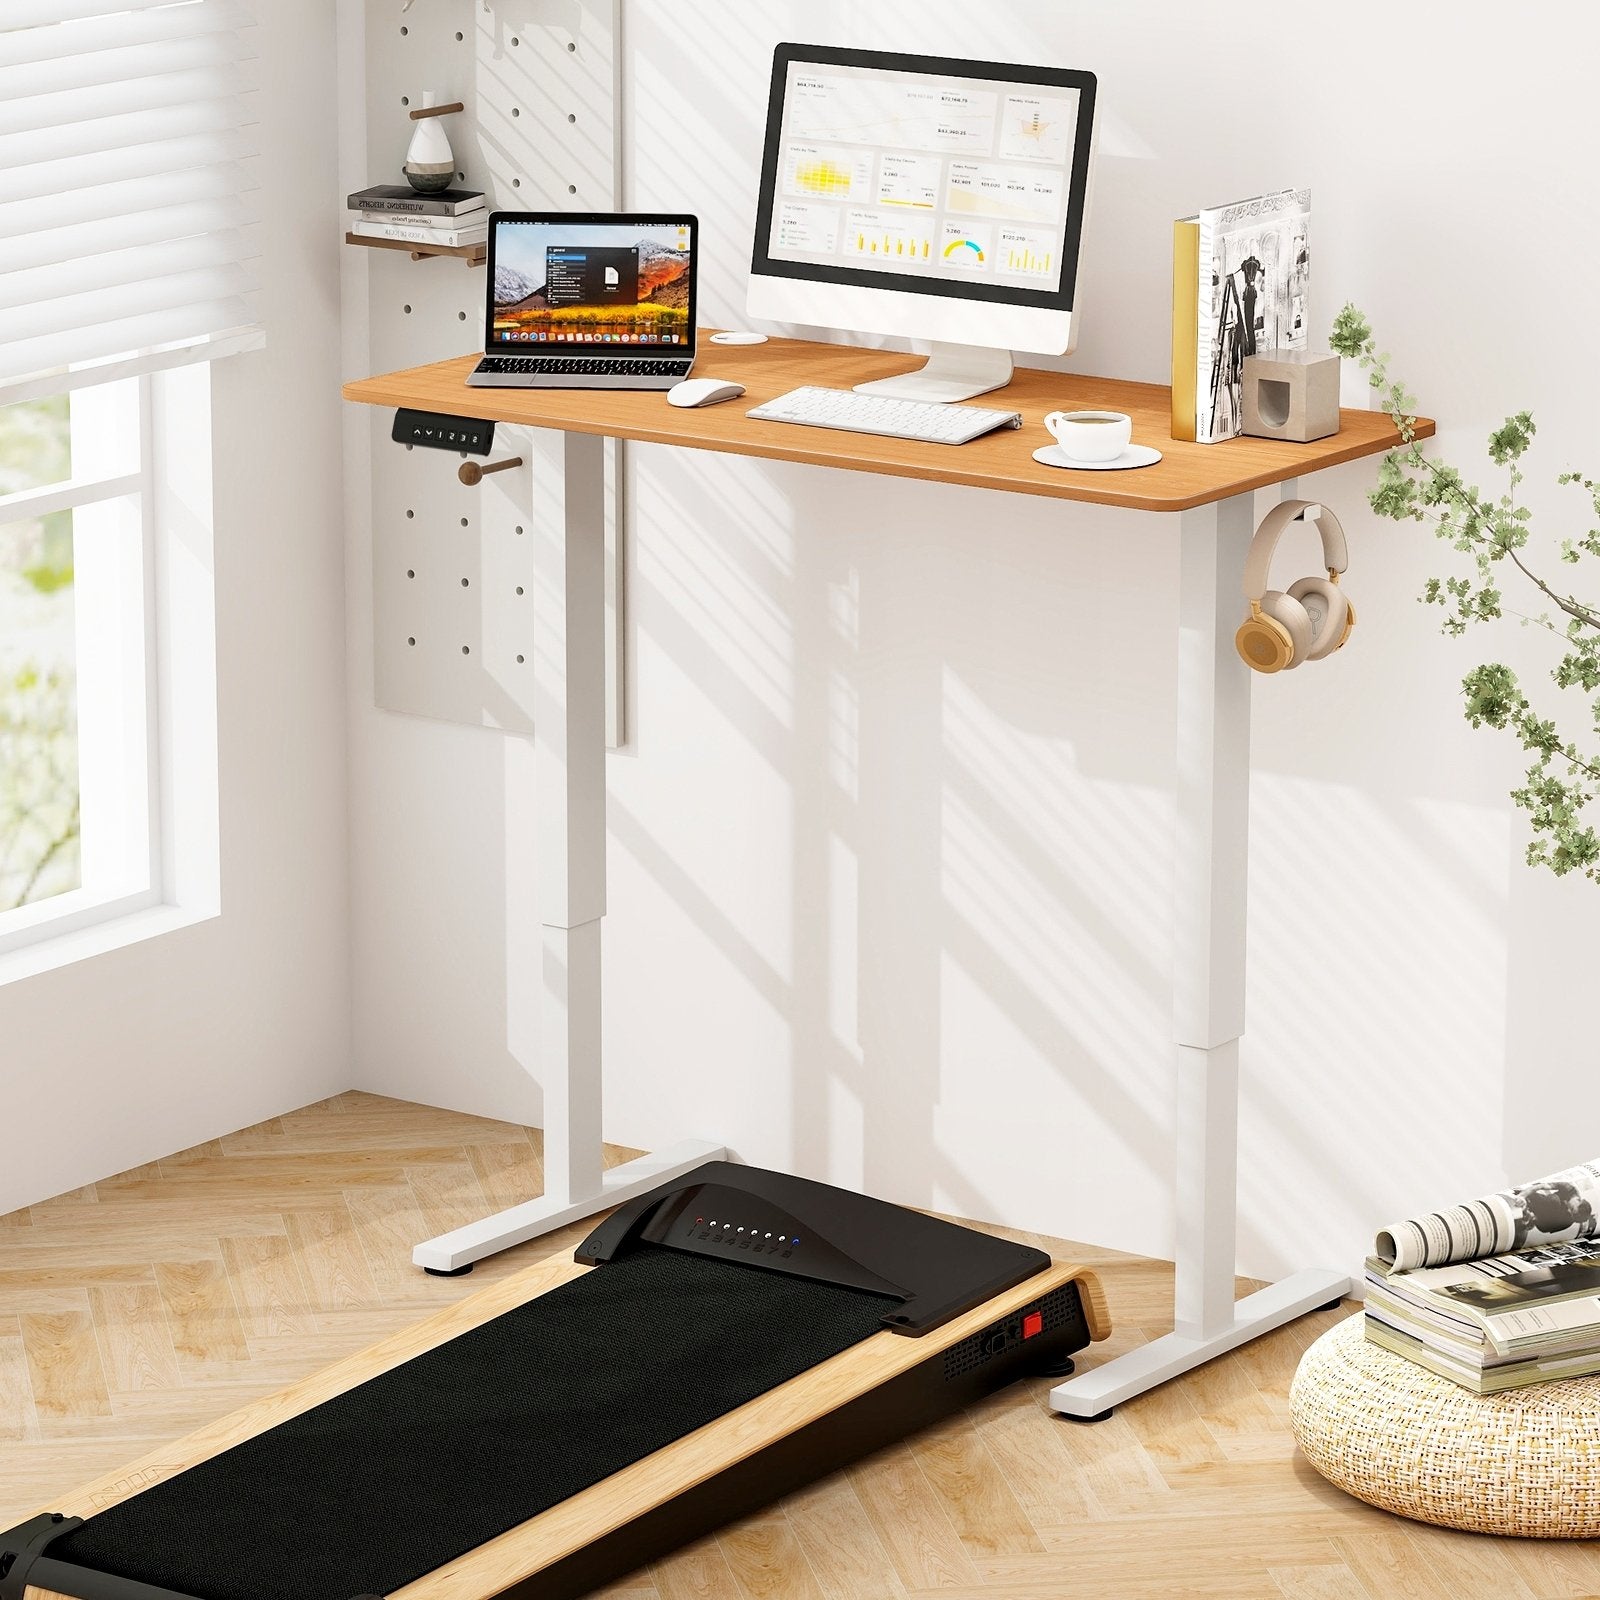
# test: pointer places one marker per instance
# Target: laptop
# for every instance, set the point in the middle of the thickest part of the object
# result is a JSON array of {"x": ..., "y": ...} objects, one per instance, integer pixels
[{"x": 602, "y": 300}]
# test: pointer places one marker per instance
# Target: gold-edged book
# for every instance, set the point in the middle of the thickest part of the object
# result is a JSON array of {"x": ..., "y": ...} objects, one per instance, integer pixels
[{"x": 1185, "y": 325}]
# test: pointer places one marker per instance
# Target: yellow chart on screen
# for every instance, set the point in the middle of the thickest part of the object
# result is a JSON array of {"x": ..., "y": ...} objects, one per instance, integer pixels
[
  {"x": 871, "y": 244},
  {"x": 1023, "y": 258},
  {"x": 822, "y": 177}
]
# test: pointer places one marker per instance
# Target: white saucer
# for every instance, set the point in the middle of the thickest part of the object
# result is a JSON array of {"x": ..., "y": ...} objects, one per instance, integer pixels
[
  {"x": 736, "y": 336},
  {"x": 1136, "y": 455}
]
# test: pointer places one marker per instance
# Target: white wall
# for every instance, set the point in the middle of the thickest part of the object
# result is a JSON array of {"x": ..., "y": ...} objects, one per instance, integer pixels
[
  {"x": 890, "y": 853},
  {"x": 130, "y": 1055}
]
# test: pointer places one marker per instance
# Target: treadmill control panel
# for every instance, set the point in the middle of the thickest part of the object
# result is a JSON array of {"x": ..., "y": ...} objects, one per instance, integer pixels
[
  {"x": 714, "y": 1219},
  {"x": 753, "y": 1238}
]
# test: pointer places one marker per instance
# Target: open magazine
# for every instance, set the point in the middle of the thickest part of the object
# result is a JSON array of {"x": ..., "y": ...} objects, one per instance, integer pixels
[{"x": 1553, "y": 1210}]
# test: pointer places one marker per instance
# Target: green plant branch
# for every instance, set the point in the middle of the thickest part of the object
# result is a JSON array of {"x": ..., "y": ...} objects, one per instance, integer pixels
[{"x": 1412, "y": 486}]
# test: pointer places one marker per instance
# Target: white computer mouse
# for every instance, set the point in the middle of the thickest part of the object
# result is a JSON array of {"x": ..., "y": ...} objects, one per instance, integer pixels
[{"x": 703, "y": 391}]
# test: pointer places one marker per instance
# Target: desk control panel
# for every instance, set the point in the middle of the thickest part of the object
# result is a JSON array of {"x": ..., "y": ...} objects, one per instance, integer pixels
[{"x": 434, "y": 430}]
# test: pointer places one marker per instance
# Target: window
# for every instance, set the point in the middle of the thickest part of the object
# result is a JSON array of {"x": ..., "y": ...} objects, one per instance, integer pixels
[
  {"x": 127, "y": 237},
  {"x": 76, "y": 753}
]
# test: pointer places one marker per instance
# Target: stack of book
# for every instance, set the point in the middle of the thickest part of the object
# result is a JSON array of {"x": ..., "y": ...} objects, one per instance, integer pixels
[
  {"x": 449, "y": 219},
  {"x": 1499, "y": 1293}
]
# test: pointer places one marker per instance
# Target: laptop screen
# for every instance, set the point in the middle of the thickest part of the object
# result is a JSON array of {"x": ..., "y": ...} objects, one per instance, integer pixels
[{"x": 567, "y": 284}]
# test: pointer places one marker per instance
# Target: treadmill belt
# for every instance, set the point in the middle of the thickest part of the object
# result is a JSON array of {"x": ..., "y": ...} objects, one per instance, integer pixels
[{"x": 373, "y": 1489}]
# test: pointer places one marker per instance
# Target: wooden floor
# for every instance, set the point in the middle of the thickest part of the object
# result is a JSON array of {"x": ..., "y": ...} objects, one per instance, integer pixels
[{"x": 137, "y": 1309}]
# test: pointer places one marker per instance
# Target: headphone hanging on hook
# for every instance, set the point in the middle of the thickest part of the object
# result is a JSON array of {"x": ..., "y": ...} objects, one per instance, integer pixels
[{"x": 1312, "y": 617}]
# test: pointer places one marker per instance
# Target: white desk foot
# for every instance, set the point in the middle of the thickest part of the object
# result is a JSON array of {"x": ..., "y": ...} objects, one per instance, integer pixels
[
  {"x": 455, "y": 1252},
  {"x": 1092, "y": 1394}
]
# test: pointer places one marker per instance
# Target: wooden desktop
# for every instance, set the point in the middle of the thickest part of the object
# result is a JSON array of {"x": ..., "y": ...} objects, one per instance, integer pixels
[{"x": 1188, "y": 475}]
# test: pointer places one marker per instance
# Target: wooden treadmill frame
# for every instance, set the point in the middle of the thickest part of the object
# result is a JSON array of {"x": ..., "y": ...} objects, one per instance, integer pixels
[{"x": 566, "y": 1530}]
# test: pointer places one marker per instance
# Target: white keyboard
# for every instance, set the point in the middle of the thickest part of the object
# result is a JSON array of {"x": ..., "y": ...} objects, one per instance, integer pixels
[{"x": 931, "y": 421}]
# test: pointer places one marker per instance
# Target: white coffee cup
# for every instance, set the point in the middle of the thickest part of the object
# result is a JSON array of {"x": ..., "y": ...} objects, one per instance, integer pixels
[{"x": 1091, "y": 435}]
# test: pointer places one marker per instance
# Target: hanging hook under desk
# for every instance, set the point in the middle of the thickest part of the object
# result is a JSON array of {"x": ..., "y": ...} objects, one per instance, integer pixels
[{"x": 472, "y": 474}]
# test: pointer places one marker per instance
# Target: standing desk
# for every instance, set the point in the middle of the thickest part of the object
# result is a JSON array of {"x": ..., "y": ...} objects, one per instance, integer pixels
[{"x": 1208, "y": 486}]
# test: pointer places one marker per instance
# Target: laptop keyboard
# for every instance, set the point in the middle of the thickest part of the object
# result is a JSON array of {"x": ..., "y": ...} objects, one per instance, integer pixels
[{"x": 587, "y": 366}]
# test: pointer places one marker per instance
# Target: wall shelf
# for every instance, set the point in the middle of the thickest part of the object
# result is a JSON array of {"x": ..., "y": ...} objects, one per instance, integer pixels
[{"x": 473, "y": 254}]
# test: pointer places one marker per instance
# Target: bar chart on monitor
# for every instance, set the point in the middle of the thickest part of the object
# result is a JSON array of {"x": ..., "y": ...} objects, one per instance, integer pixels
[{"x": 889, "y": 237}]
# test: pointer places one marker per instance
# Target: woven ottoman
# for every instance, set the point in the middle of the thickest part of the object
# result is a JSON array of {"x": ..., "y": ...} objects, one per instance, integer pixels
[{"x": 1398, "y": 1437}]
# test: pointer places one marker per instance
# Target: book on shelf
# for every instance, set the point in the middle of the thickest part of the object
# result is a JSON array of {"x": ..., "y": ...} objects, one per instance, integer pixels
[
  {"x": 403, "y": 200},
  {"x": 1240, "y": 276},
  {"x": 408, "y": 233},
  {"x": 1496, "y": 1322},
  {"x": 417, "y": 219}
]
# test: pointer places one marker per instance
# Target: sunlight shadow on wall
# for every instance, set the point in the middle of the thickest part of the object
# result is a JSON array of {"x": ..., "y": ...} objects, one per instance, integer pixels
[{"x": 1396, "y": 905}]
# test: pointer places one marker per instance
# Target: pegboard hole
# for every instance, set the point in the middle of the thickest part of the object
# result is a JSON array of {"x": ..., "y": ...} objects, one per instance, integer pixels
[
  {"x": 405, "y": 99},
  {"x": 461, "y": 316},
  {"x": 411, "y": 641},
  {"x": 466, "y": 583},
  {"x": 411, "y": 572},
  {"x": 406, "y": 309},
  {"x": 572, "y": 49},
  {"x": 515, "y": 112},
  {"x": 519, "y": 529},
  {"x": 460, "y": 37},
  {"x": 572, "y": 188},
  {"x": 515, "y": 41},
  {"x": 519, "y": 588},
  {"x": 463, "y": 522},
  {"x": 461, "y": 177},
  {"x": 409, "y": 514},
  {"x": 404, "y": 30},
  {"x": 516, "y": 183},
  {"x": 466, "y": 649},
  {"x": 519, "y": 660},
  {"x": 572, "y": 116}
]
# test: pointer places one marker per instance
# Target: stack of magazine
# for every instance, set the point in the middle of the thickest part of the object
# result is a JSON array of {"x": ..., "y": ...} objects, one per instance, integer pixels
[{"x": 1497, "y": 1294}]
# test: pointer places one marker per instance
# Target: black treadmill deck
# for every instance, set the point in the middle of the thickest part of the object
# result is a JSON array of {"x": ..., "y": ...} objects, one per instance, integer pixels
[
  {"x": 674, "y": 1327},
  {"x": 368, "y": 1492}
]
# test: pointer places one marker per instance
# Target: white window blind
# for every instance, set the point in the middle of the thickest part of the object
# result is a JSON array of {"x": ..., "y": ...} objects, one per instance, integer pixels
[{"x": 127, "y": 234}]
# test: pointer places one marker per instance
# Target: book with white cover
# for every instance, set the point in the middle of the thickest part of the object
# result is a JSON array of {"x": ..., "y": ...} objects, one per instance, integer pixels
[
  {"x": 418, "y": 220},
  {"x": 408, "y": 233},
  {"x": 1241, "y": 276}
]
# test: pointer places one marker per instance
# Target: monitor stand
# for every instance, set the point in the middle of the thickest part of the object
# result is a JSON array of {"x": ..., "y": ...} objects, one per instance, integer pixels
[{"x": 952, "y": 372}]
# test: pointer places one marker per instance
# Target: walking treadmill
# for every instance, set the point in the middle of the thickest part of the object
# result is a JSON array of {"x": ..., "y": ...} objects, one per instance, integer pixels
[{"x": 715, "y": 1343}]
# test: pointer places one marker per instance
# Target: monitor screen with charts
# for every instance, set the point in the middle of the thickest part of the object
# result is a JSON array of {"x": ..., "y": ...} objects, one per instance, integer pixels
[
  {"x": 946, "y": 178},
  {"x": 569, "y": 283}
]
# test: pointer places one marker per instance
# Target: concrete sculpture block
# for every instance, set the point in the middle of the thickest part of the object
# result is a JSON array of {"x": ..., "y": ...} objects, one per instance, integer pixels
[{"x": 1291, "y": 394}]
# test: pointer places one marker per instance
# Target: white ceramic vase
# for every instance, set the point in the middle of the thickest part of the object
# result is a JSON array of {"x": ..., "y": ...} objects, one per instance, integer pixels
[{"x": 430, "y": 162}]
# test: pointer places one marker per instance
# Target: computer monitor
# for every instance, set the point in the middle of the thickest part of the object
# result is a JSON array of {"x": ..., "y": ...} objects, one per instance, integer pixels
[{"x": 933, "y": 198}]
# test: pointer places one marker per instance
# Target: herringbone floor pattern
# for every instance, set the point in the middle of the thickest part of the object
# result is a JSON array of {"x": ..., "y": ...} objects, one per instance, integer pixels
[{"x": 137, "y": 1309}]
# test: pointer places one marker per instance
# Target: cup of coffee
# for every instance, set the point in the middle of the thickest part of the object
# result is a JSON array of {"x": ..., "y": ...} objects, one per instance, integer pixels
[{"x": 1091, "y": 435}]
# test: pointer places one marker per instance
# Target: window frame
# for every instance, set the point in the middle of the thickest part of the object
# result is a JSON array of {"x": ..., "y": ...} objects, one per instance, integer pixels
[{"x": 169, "y": 491}]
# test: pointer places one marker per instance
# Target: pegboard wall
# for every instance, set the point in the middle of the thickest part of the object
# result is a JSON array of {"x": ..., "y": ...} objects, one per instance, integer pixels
[{"x": 452, "y": 576}]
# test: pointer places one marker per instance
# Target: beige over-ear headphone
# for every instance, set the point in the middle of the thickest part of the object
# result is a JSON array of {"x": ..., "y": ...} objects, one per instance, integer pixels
[{"x": 1312, "y": 617}]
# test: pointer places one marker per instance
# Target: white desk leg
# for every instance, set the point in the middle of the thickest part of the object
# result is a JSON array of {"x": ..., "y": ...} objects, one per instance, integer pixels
[
  {"x": 1213, "y": 814},
  {"x": 566, "y": 519}
]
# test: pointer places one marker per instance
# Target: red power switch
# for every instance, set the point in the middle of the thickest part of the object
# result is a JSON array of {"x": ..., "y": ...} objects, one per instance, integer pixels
[{"x": 1032, "y": 1324}]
